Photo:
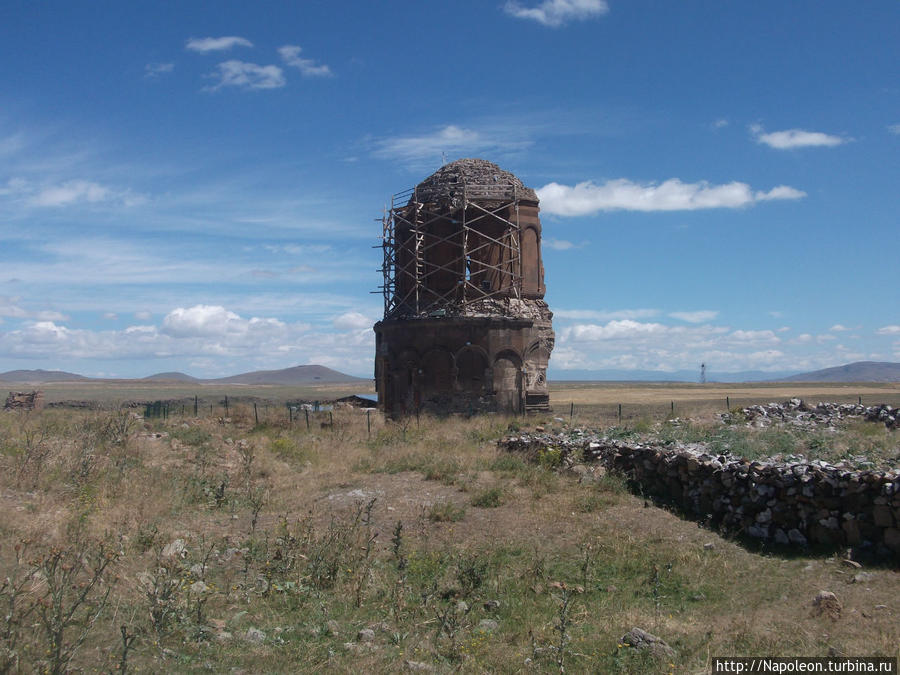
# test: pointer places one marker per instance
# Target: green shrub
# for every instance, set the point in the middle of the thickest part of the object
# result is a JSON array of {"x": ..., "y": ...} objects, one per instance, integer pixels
[
  {"x": 489, "y": 498},
  {"x": 446, "y": 512}
]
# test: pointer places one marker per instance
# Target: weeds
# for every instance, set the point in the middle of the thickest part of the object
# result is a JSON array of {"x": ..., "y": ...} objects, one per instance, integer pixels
[
  {"x": 443, "y": 585},
  {"x": 489, "y": 498},
  {"x": 446, "y": 512}
]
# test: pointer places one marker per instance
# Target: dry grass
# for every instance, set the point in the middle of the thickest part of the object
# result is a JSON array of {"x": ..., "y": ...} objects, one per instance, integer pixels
[{"x": 424, "y": 534}]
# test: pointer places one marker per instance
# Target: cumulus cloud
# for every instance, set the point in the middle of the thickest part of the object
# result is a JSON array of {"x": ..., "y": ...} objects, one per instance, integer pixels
[
  {"x": 613, "y": 330},
  {"x": 795, "y": 138},
  {"x": 219, "y": 44},
  {"x": 673, "y": 195},
  {"x": 290, "y": 54},
  {"x": 837, "y": 328},
  {"x": 452, "y": 140},
  {"x": 656, "y": 345},
  {"x": 888, "y": 330},
  {"x": 698, "y": 316},
  {"x": 555, "y": 13},
  {"x": 245, "y": 75},
  {"x": 212, "y": 321},
  {"x": 206, "y": 334},
  {"x": 352, "y": 321},
  {"x": 604, "y": 315}
]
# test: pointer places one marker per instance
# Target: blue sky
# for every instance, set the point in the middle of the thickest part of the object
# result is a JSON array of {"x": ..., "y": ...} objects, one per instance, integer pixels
[{"x": 193, "y": 186}]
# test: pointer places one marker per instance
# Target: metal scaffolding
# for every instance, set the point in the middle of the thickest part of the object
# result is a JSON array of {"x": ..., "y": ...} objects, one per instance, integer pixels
[{"x": 428, "y": 271}]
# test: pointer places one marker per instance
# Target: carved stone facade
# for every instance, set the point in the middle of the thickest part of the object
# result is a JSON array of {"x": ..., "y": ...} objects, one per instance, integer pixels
[{"x": 465, "y": 326}]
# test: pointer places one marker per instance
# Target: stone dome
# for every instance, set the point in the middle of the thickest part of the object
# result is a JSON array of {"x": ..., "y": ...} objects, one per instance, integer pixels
[{"x": 480, "y": 181}]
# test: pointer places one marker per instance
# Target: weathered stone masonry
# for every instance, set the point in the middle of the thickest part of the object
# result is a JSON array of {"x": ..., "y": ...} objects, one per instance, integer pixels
[
  {"x": 800, "y": 504},
  {"x": 465, "y": 325}
]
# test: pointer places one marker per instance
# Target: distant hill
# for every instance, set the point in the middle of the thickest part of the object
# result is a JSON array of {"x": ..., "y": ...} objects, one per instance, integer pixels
[
  {"x": 38, "y": 376},
  {"x": 297, "y": 375},
  {"x": 290, "y": 376},
  {"x": 861, "y": 371},
  {"x": 610, "y": 375},
  {"x": 170, "y": 377}
]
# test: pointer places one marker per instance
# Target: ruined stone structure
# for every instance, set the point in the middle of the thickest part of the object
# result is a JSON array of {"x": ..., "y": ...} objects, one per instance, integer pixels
[
  {"x": 24, "y": 400},
  {"x": 465, "y": 324}
]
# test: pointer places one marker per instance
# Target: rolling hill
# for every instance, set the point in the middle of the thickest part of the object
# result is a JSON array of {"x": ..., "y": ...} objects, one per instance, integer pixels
[
  {"x": 297, "y": 375},
  {"x": 861, "y": 371},
  {"x": 289, "y": 376},
  {"x": 38, "y": 376}
]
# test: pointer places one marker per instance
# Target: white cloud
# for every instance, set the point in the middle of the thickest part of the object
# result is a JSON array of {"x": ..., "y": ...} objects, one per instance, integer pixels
[
  {"x": 143, "y": 316},
  {"x": 218, "y": 44},
  {"x": 837, "y": 328},
  {"x": 654, "y": 345},
  {"x": 211, "y": 321},
  {"x": 621, "y": 194},
  {"x": 204, "y": 334},
  {"x": 698, "y": 316},
  {"x": 894, "y": 129},
  {"x": 720, "y": 123},
  {"x": 561, "y": 244},
  {"x": 10, "y": 307},
  {"x": 352, "y": 321},
  {"x": 247, "y": 75},
  {"x": 613, "y": 330},
  {"x": 69, "y": 193},
  {"x": 754, "y": 336},
  {"x": 290, "y": 54},
  {"x": 157, "y": 69},
  {"x": 555, "y": 13},
  {"x": 603, "y": 315},
  {"x": 888, "y": 330},
  {"x": 795, "y": 138},
  {"x": 452, "y": 140}
]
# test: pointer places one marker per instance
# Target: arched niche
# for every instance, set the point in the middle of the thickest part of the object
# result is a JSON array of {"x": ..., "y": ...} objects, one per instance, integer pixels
[
  {"x": 472, "y": 367},
  {"x": 507, "y": 381},
  {"x": 532, "y": 270}
]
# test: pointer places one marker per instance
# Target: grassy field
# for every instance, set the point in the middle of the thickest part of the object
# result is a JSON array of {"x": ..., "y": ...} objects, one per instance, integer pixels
[{"x": 360, "y": 545}]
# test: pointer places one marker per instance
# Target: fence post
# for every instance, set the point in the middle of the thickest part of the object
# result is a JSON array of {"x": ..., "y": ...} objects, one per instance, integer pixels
[
  {"x": 255, "y": 413},
  {"x": 290, "y": 414},
  {"x": 727, "y": 403},
  {"x": 306, "y": 410},
  {"x": 571, "y": 409},
  {"x": 196, "y": 402},
  {"x": 620, "y": 413},
  {"x": 226, "y": 406},
  {"x": 368, "y": 423},
  {"x": 673, "y": 407},
  {"x": 331, "y": 420}
]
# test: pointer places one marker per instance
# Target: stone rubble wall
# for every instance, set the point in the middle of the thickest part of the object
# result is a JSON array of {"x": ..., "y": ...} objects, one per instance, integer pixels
[
  {"x": 797, "y": 413},
  {"x": 24, "y": 400},
  {"x": 794, "y": 504}
]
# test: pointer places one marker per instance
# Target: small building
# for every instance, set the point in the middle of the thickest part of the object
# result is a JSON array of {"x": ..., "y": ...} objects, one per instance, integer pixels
[{"x": 465, "y": 325}]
